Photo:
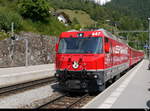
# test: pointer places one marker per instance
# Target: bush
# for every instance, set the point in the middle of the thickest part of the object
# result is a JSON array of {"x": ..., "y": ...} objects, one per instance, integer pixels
[
  {"x": 3, "y": 35},
  {"x": 52, "y": 27},
  {"x": 34, "y": 9},
  {"x": 7, "y": 17}
]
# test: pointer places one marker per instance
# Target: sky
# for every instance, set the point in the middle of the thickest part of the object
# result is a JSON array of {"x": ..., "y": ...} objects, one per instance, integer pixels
[{"x": 101, "y": 2}]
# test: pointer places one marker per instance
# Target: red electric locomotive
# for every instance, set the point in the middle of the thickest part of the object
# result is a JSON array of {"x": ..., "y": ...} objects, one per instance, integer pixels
[{"x": 86, "y": 60}]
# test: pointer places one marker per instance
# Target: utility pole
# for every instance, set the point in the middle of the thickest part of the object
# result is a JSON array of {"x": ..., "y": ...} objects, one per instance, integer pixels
[
  {"x": 12, "y": 29},
  {"x": 128, "y": 38},
  {"x": 15, "y": 38},
  {"x": 26, "y": 42},
  {"x": 115, "y": 24},
  {"x": 12, "y": 44},
  {"x": 95, "y": 24},
  {"x": 149, "y": 43}
]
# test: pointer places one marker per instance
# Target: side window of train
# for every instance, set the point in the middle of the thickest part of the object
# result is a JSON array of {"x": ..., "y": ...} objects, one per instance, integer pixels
[
  {"x": 106, "y": 40},
  {"x": 111, "y": 47},
  {"x": 107, "y": 45}
]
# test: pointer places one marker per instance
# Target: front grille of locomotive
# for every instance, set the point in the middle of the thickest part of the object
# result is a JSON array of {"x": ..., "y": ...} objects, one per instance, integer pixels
[
  {"x": 72, "y": 74},
  {"x": 76, "y": 75}
]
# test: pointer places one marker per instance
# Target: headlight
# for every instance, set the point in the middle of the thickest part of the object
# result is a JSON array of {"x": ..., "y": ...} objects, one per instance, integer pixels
[
  {"x": 91, "y": 75},
  {"x": 56, "y": 75},
  {"x": 95, "y": 76}
]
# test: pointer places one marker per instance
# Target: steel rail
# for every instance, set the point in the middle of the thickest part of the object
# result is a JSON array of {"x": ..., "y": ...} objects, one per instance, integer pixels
[
  {"x": 52, "y": 101},
  {"x": 77, "y": 101},
  {"x": 61, "y": 100},
  {"x": 26, "y": 85}
]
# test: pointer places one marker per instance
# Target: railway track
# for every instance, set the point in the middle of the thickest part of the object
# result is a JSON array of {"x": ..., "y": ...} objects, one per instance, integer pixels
[
  {"x": 67, "y": 101},
  {"x": 25, "y": 86}
]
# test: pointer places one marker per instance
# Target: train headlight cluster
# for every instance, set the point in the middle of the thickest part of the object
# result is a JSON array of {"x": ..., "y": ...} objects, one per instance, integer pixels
[
  {"x": 91, "y": 76},
  {"x": 56, "y": 75}
]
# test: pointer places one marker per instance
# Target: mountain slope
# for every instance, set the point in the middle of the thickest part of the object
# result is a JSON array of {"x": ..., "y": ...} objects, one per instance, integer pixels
[
  {"x": 81, "y": 16},
  {"x": 140, "y": 8}
]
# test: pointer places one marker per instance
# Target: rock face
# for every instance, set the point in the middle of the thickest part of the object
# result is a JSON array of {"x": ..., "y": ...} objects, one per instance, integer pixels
[{"x": 41, "y": 50}]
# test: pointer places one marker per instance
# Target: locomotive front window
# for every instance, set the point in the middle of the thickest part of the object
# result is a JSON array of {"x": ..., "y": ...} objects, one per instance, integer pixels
[{"x": 88, "y": 45}]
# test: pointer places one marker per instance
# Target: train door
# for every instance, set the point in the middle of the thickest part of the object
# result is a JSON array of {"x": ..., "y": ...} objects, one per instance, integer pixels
[{"x": 108, "y": 57}]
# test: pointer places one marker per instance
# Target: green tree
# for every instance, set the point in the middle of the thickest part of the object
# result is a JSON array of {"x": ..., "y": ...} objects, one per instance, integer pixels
[{"x": 34, "y": 9}]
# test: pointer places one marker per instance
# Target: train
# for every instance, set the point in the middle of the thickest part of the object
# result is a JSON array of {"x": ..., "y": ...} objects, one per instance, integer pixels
[{"x": 87, "y": 60}]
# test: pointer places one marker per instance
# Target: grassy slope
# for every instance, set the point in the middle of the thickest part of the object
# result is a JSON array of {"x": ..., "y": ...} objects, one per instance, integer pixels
[
  {"x": 83, "y": 18},
  {"x": 52, "y": 27}
]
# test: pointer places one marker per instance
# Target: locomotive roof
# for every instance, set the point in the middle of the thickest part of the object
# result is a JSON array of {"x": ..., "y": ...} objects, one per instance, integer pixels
[{"x": 104, "y": 33}]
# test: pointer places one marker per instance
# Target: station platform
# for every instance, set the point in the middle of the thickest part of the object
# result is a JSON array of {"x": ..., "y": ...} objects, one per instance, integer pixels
[
  {"x": 131, "y": 91},
  {"x": 16, "y": 75}
]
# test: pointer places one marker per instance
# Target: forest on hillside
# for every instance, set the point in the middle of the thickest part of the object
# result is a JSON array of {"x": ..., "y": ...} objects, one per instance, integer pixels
[
  {"x": 117, "y": 15},
  {"x": 137, "y": 8}
]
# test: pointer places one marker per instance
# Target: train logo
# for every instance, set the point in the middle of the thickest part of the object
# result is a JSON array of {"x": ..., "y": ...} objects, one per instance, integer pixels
[{"x": 75, "y": 65}]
